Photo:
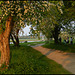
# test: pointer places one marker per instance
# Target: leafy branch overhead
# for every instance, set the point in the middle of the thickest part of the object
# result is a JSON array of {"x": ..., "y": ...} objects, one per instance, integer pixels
[{"x": 24, "y": 10}]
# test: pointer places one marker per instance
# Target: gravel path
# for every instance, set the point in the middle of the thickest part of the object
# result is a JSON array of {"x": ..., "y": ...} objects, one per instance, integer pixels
[{"x": 67, "y": 60}]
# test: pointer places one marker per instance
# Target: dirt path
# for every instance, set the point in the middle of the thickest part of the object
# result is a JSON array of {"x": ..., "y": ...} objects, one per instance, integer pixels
[{"x": 67, "y": 60}]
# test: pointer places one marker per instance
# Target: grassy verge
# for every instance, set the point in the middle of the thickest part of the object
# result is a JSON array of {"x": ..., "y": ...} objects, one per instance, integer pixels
[
  {"x": 62, "y": 47},
  {"x": 26, "y": 60}
]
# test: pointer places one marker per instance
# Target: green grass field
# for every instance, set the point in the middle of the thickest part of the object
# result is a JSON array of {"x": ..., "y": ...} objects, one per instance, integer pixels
[
  {"x": 26, "y": 60},
  {"x": 62, "y": 47}
]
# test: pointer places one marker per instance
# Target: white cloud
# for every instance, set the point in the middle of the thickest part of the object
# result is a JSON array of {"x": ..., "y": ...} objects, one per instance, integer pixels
[{"x": 26, "y": 31}]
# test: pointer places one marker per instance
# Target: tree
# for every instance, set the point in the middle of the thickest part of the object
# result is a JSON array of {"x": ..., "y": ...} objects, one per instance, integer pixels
[
  {"x": 4, "y": 42},
  {"x": 14, "y": 13},
  {"x": 69, "y": 17},
  {"x": 14, "y": 37},
  {"x": 8, "y": 14},
  {"x": 51, "y": 23},
  {"x": 58, "y": 20},
  {"x": 14, "y": 34}
]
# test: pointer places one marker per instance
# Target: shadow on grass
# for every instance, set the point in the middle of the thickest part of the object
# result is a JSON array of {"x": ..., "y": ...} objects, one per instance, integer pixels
[{"x": 61, "y": 46}]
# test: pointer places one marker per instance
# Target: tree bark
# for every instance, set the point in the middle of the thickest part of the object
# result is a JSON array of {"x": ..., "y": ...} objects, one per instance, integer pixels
[
  {"x": 56, "y": 34},
  {"x": 17, "y": 40},
  {"x": 15, "y": 36},
  {"x": 12, "y": 39},
  {"x": 4, "y": 43},
  {"x": 56, "y": 39}
]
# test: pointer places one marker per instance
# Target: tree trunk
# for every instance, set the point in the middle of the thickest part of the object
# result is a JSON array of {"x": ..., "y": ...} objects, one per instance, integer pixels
[
  {"x": 12, "y": 39},
  {"x": 4, "y": 43},
  {"x": 17, "y": 40},
  {"x": 56, "y": 39},
  {"x": 56, "y": 34},
  {"x": 15, "y": 36}
]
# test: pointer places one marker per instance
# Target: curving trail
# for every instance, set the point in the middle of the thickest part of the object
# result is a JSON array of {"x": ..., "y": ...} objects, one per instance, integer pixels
[{"x": 67, "y": 60}]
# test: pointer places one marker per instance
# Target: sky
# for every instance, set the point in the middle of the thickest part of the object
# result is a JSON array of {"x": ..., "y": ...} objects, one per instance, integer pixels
[{"x": 26, "y": 31}]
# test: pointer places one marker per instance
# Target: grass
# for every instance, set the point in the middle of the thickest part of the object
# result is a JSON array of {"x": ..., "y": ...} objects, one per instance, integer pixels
[
  {"x": 26, "y": 60},
  {"x": 34, "y": 43},
  {"x": 27, "y": 40},
  {"x": 62, "y": 47}
]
